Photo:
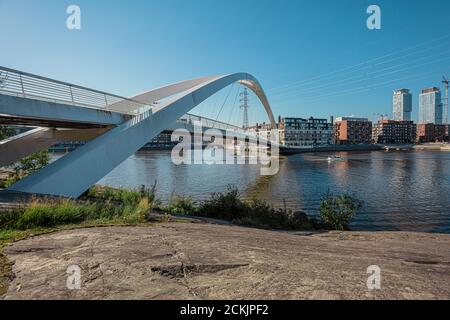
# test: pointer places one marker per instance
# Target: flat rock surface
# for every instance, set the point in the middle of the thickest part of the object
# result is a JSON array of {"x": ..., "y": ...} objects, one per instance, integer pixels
[{"x": 204, "y": 261}]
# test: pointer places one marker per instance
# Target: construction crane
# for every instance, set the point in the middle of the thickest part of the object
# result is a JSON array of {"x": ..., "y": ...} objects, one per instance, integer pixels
[
  {"x": 382, "y": 116},
  {"x": 445, "y": 81}
]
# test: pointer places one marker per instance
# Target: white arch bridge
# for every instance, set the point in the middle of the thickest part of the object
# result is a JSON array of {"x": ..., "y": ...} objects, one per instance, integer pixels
[{"x": 116, "y": 126}]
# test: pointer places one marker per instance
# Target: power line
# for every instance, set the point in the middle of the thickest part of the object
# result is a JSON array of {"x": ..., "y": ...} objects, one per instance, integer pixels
[
  {"x": 367, "y": 88},
  {"x": 363, "y": 78},
  {"x": 362, "y": 65}
]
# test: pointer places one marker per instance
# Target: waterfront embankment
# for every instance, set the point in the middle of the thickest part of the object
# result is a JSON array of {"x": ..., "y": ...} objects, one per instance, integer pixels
[
  {"x": 433, "y": 147},
  {"x": 331, "y": 148},
  {"x": 206, "y": 261}
]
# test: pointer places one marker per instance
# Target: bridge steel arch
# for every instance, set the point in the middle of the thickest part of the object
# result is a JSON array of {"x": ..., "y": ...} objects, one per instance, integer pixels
[{"x": 73, "y": 174}]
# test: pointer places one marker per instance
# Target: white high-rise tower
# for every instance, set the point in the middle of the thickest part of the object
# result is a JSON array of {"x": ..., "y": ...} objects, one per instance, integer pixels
[
  {"x": 402, "y": 105},
  {"x": 430, "y": 106}
]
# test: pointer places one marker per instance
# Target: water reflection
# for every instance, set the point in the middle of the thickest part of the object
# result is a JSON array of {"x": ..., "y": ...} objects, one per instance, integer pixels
[{"x": 400, "y": 190}]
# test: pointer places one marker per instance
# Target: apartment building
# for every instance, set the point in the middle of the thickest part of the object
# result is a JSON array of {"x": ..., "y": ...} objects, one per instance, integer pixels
[
  {"x": 429, "y": 132},
  {"x": 349, "y": 130},
  {"x": 299, "y": 132},
  {"x": 395, "y": 132}
]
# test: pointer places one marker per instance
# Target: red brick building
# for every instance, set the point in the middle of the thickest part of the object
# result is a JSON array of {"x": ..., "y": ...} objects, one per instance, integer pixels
[
  {"x": 431, "y": 133},
  {"x": 352, "y": 130}
]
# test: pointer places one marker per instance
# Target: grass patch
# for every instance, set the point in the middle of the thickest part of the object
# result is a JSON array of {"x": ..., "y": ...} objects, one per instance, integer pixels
[
  {"x": 52, "y": 213},
  {"x": 122, "y": 196}
]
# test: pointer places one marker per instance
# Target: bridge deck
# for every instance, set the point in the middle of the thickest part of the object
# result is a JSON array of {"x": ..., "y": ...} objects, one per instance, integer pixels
[
  {"x": 33, "y": 112},
  {"x": 28, "y": 99}
]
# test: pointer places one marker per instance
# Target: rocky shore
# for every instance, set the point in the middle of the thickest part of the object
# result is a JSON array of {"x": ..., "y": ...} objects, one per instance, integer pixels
[{"x": 205, "y": 261}]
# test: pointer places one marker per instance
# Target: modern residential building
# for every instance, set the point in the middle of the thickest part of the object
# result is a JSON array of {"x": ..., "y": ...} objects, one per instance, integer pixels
[
  {"x": 299, "y": 132},
  {"x": 430, "y": 106},
  {"x": 349, "y": 130},
  {"x": 429, "y": 132},
  {"x": 402, "y": 105},
  {"x": 396, "y": 132},
  {"x": 263, "y": 130}
]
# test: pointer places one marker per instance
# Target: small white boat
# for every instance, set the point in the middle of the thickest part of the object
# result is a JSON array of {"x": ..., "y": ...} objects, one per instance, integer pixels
[{"x": 334, "y": 158}]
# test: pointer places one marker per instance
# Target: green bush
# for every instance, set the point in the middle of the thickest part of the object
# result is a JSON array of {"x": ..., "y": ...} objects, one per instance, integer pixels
[
  {"x": 336, "y": 212},
  {"x": 180, "y": 205},
  {"x": 259, "y": 213},
  {"x": 27, "y": 166},
  {"x": 256, "y": 213},
  {"x": 226, "y": 205}
]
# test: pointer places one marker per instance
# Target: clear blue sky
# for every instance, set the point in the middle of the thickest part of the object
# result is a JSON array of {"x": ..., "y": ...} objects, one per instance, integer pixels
[{"x": 125, "y": 47}]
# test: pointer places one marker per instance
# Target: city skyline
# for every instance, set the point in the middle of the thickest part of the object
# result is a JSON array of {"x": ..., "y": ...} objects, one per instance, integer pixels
[{"x": 402, "y": 108}]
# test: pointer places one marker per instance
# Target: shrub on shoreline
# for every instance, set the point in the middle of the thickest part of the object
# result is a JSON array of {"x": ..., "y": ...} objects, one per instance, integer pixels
[
  {"x": 256, "y": 213},
  {"x": 336, "y": 211},
  {"x": 180, "y": 205},
  {"x": 106, "y": 205}
]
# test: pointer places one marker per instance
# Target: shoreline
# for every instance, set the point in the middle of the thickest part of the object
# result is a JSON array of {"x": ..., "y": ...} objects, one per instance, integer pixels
[{"x": 294, "y": 205}]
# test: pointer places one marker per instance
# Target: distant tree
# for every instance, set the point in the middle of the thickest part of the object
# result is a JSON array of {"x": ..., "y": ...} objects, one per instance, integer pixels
[
  {"x": 28, "y": 165},
  {"x": 33, "y": 162},
  {"x": 5, "y": 132},
  {"x": 336, "y": 212}
]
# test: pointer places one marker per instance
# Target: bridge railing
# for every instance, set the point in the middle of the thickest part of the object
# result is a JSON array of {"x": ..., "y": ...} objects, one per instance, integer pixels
[
  {"x": 26, "y": 85},
  {"x": 210, "y": 123}
]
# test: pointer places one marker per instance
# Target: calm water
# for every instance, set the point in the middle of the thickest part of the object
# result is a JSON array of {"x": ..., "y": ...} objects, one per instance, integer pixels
[{"x": 400, "y": 190}]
